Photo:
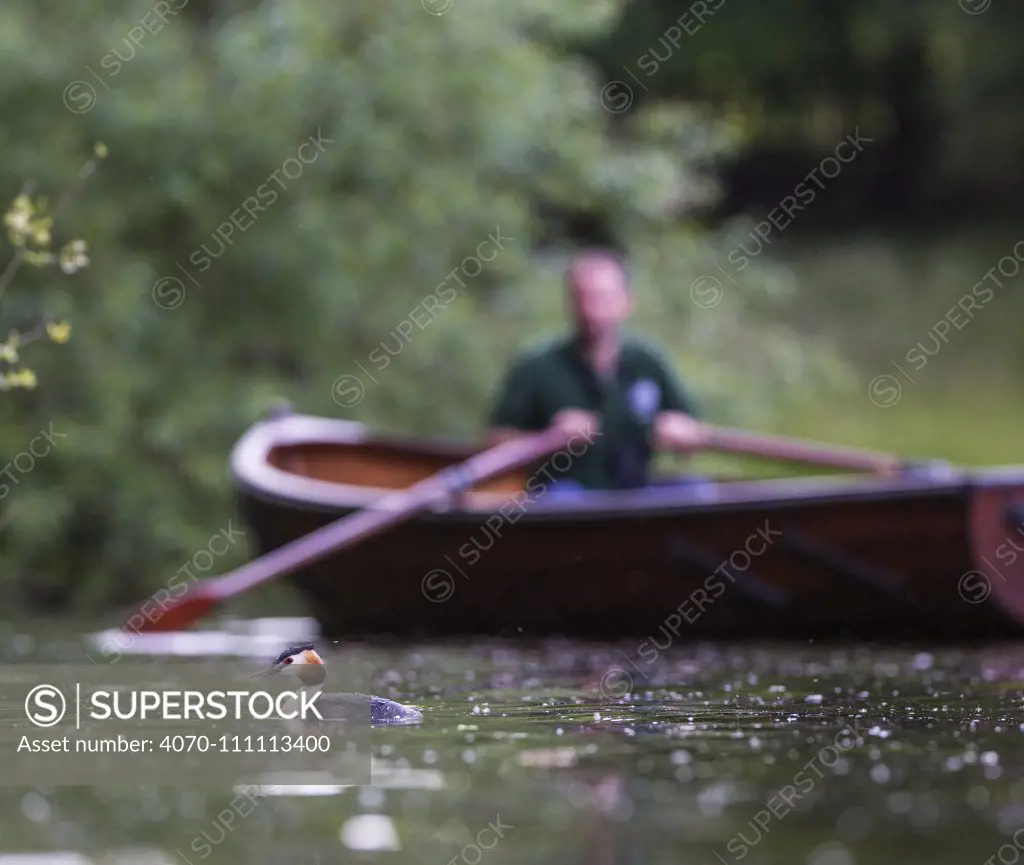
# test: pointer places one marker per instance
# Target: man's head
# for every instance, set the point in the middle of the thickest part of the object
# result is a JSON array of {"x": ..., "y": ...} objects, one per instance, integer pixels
[{"x": 599, "y": 295}]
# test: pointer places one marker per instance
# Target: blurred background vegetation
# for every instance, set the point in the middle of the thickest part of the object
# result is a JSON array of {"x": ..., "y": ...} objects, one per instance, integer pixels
[{"x": 383, "y": 142}]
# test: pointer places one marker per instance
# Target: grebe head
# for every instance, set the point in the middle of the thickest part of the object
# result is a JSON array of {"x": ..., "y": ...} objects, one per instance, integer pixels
[{"x": 304, "y": 661}]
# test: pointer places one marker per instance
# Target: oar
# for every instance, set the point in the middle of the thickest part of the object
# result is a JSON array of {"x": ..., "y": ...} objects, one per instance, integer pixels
[
  {"x": 394, "y": 508},
  {"x": 799, "y": 451}
]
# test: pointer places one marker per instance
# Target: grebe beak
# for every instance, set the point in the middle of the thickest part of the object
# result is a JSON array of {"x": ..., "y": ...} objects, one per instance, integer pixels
[{"x": 269, "y": 671}]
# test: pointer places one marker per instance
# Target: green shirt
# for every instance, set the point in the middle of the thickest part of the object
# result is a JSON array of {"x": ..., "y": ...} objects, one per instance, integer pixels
[{"x": 545, "y": 380}]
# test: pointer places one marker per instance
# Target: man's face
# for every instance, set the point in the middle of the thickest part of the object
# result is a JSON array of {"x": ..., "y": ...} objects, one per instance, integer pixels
[{"x": 599, "y": 297}]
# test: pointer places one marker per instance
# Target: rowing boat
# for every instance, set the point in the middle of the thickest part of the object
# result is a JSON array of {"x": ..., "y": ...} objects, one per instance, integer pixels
[{"x": 931, "y": 553}]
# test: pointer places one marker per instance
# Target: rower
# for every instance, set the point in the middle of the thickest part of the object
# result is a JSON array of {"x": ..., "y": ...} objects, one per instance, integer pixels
[{"x": 616, "y": 391}]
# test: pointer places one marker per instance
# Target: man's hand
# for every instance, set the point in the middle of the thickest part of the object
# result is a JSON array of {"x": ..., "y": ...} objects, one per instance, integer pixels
[
  {"x": 576, "y": 421},
  {"x": 676, "y": 431}
]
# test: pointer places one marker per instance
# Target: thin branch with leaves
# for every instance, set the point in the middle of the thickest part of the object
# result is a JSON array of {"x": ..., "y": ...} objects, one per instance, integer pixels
[{"x": 29, "y": 225}]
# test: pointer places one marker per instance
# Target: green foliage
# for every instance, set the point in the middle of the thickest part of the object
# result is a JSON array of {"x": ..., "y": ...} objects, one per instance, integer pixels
[{"x": 352, "y": 156}]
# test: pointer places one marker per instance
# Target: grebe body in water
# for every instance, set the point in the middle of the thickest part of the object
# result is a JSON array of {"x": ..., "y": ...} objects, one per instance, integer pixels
[{"x": 306, "y": 664}]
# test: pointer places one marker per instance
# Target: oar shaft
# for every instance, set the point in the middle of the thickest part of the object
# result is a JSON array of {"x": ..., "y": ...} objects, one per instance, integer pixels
[
  {"x": 800, "y": 451},
  {"x": 308, "y": 549},
  {"x": 393, "y": 508}
]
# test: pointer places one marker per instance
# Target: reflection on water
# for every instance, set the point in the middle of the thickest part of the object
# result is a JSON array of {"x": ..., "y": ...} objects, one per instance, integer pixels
[{"x": 766, "y": 754}]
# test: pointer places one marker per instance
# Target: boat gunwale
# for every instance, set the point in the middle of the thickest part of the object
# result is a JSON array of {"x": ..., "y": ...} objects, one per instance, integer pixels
[{"x": 255, "y": 476}]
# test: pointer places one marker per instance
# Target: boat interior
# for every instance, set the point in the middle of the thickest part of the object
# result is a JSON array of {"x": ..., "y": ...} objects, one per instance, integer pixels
[{"x": 380, "y": 465}]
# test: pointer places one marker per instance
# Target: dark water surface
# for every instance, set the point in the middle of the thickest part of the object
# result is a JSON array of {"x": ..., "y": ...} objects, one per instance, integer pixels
[{"x": 567, "y": 753}]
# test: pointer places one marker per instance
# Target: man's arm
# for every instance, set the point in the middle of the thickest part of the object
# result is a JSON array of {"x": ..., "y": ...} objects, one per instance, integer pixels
[
  {"x": 676, "y": 427},
  {"x": 515, "y": 410},
  {"x": 675, "y": 397}
]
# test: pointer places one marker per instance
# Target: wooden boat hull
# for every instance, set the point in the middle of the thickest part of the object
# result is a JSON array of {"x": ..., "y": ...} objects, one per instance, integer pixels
[{"x": 933, "y": 555}]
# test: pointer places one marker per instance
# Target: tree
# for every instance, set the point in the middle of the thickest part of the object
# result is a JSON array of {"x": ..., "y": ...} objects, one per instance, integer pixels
[{"x": 294, "y": 187}]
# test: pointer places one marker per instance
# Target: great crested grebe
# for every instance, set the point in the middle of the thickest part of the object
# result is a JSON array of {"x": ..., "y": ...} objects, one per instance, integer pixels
[{"x": 306, "y": 664}]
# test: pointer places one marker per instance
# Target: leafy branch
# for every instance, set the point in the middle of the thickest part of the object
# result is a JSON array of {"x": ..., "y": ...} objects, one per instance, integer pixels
[{"x": 29, "y": 223}]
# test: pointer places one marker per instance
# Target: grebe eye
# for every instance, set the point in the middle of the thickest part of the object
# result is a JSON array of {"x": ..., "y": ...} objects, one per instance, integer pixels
[{"x": 287, "y": 660}]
